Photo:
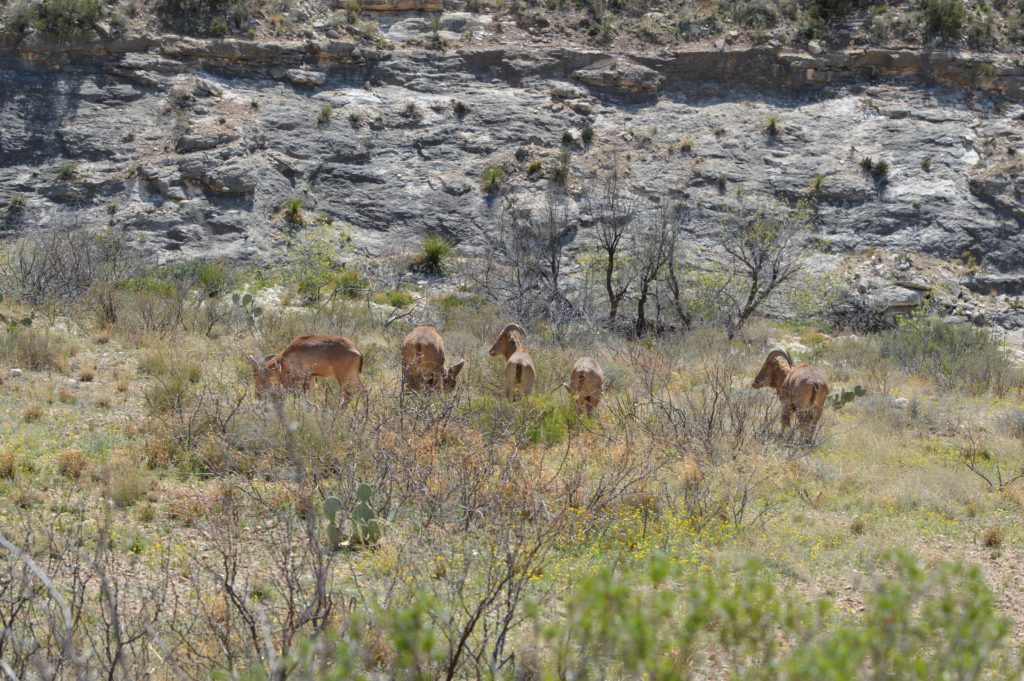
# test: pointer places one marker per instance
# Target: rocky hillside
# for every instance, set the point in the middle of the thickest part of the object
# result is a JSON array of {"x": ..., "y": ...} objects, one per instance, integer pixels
[{"x": 197, "y": 145}]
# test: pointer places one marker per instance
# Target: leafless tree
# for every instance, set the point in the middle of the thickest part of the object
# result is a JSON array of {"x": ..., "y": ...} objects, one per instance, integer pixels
[
  {"x": 614, "y": 212},
  {"x": 761, "y": 252},
  {"x": 65, "y": 261},
  {"x": 763, "y": 245},
  {"x": 525, "y": 252},
  {"x": 655, "y": 246}
]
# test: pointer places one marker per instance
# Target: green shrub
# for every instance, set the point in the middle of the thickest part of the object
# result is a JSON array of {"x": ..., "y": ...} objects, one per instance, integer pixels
[
  {"x": 944, "y": 18},
  {"x": 587, "y": 135},
  {"x": 67, "y": 170},
  {"x": 957, "y": 355},
  {"x": 219, "y": 27},
  {"x": 399, "y": 298},
  {"x": 567, "y": 139},
  {"x": 492, "y": 178},
  {"x": 431, "y": 260},
  {"x": 207, "y": 17},
  {"x": 65, "y": 18},
  {"x": 17, "y": 203},
  {"x": 755, "y": 14},
  {"x": 663, "y": 622},
  {"x": 459, "y": 108},
  {"x": 534, "y": 166},
  {"x": 818, "y": 183},
  {"x": 292, "y": 209},
  {"x": 772, "y": 127},
  {"x": 324, "y": 114},
  {"x": 549, "y": 418}
]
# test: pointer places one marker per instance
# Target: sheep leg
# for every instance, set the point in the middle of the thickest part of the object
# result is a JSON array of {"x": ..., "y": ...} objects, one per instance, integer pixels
[{"x": 786, "y": 417}]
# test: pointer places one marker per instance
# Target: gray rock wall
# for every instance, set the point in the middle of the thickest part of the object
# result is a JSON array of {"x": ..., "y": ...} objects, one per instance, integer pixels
[{"x": 195, "y": 145}]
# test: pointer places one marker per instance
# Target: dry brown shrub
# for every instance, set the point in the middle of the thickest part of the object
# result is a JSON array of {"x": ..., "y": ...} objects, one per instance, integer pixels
[
  {"x": 65, "y": 396},
  {"x": 992, "y": 537},
  {"x": 87, "y": 373},
  {"x": 103, "y": 335},
  {"x": 33, "y": 413},
  {"x": 71, "y": 463},
  {"x": 8, "y": 464}
]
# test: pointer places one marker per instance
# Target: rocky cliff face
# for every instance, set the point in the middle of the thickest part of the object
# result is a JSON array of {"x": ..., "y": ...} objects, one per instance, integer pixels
[{"x": 197, "y": 145}]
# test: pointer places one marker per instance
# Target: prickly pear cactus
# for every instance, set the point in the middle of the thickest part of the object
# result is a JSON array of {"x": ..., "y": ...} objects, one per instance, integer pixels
[
  {"x": 844, "y": 396},
  {"x": 332, "y": 506},
  {"x": 367, "y": 526}
]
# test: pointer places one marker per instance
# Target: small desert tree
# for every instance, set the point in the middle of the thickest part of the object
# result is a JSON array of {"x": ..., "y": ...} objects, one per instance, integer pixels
[
  {"x": 761, "y": 252},
  {"x": 615, "y": 212},
  {"x": 524, "y": 265},
  {"x": 652, "y": 255}
]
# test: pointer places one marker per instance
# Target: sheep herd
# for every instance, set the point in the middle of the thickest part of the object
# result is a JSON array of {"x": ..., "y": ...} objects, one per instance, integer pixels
[{"x": 801, "y": 389}]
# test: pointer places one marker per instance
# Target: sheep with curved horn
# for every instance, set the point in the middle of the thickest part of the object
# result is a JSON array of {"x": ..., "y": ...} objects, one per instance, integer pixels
[
  {"x": 801, "y": 389},
  {"x": 519, "y": 373}
]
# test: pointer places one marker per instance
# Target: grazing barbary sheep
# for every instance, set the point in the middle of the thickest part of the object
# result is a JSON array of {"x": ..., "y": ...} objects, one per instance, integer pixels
[
  {"x": 519, "y": 374},
  {"x": 308, "y": 357},
  {"x": 801, "y": 389},
  {"x": 586, "y": 382},
  {"x": 423, "y": 361}
]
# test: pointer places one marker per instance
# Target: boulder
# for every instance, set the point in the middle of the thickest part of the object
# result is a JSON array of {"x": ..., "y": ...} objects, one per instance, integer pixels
[
  {"x": 621, "y": 75},
  {"x": 306, "y": 77},
  {"x": 236, "y": 176}
]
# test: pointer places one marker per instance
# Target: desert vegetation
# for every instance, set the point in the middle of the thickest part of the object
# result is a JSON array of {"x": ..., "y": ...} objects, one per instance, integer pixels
[
  {"x": 979, "y": 26},
  {"x": 156, "y": 515}
]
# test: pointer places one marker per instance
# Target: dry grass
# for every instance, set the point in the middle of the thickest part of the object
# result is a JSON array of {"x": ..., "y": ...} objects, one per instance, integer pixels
[
  {"x": 127, "y": 483},
  {"x": 189, "y": 459},
  {"x": 37, "y": 349}
]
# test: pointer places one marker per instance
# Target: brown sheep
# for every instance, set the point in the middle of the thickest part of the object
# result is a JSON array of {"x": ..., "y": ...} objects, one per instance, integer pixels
[
  {"x": 801, "y": 389},
  {"x": 519, "y": 374},
  {"x": 586, "y": 382},
  {"x": 308, "y": 357},
  {"x": 423, "y": 361}
]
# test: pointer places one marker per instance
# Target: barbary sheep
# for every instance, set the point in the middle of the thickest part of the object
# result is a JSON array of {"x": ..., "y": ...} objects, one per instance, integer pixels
[
  {"x": 423, "y": 361},
  {"x": 801, "y": 389},
  {"x": 305, "y": 359},
  {"x": 519, "y": 374},
  {"x": 586, "y": 382}
]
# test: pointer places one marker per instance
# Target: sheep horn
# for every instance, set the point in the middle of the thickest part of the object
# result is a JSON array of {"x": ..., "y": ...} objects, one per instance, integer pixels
[
  {"x": 514, "y": 327},
  {"x": 779, "y": 352}
]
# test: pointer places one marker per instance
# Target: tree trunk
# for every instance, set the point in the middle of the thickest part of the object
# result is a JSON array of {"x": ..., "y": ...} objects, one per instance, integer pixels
[{"x": 641, "y": 317}]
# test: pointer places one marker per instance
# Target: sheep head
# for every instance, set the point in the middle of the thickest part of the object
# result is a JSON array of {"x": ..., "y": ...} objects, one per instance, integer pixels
[
  {"x": 511, "y": 338},
  {"x": 773, "y": 372}
]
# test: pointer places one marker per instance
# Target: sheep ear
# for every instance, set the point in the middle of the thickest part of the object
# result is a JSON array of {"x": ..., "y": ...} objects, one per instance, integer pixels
[
  {"x": 454, "y": 369},
  {"x": 567, "y": 388},
  {"x": 255, "y": 361}
]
